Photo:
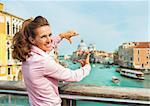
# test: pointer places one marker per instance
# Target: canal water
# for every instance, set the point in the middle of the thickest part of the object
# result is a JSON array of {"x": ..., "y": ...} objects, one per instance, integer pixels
[{"x": 100, "y": 75}]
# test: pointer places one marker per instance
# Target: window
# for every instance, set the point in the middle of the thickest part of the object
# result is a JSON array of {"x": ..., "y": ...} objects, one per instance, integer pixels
[
  {"x": 138, "y": 51},
  {"x": 8, "y": 71},
  {"x": 13, "y": 29},
  {"x": 142, "y": 65},
  {"x": 8, "y": 54},
  {"x": 138, "y": 59},
  {"x": 17, "y": 28},
  {"x": 8, "y": 28}
]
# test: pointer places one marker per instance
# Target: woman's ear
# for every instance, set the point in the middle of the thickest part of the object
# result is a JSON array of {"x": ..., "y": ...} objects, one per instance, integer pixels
[{"x": 31, "y": 40}]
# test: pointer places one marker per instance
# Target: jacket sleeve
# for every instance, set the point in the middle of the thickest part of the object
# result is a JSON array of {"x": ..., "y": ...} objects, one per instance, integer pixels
[{"x": 55, "y": 70}]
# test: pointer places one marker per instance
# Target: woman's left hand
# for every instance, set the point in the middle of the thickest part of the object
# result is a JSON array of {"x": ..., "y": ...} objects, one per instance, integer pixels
[
  {"x": 85, "y": 61},
  {"x": 68, "y": 35}
]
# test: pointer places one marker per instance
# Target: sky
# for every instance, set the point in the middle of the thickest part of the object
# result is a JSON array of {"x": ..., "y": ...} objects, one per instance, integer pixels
[{"x": 105, "y": 23}]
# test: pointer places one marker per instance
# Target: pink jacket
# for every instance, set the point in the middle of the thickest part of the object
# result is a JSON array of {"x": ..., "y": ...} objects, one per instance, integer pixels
[{"x": 41, "y": 74}]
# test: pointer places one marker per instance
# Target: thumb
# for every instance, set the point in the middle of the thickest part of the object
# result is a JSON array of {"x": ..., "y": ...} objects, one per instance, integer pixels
[
  {"x": 88, "y": 56},
  {"x": 87, "y": 59}
]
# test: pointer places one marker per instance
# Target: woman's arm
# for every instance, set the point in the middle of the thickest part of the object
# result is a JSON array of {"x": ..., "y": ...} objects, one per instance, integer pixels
[
  {"x": 55, "y": 70},
  {"x": 66, "y": 35}
]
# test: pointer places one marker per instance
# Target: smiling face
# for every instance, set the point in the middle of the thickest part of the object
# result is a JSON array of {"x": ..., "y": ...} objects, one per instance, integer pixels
[{"x": 43, "y": 39}]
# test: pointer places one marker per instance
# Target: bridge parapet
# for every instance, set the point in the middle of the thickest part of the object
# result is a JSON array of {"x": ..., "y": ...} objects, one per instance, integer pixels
[{"x": 70, "y": 93}]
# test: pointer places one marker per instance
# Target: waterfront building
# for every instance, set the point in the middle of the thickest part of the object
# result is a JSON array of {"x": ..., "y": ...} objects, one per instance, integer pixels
[
  {"x": 103, "y": 57},
  {"x": 92, "y": 47},
  {"x": 9, "y": 25},
  {"x": 134, "y": 55},
  {"x": 115, "y": 57},
  {"x": 96, "y": 55},
  {"x": 66, "y": 57},
  {"x": 82, "y": 46}
]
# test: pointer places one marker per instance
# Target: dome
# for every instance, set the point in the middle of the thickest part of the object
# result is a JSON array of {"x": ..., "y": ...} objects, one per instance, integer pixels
[
  {"x": 92, "y": 47},
  {"x": 82, "y": 46}
]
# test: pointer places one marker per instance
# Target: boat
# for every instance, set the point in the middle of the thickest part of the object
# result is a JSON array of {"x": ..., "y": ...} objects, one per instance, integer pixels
[
  {"x": 63, "y": 64},
  {"x": 146, "y": 71},
  {"x": 118, "y": 70},
  {"x": 132, "y": 74},
  {"x": 115, "y": 79}
]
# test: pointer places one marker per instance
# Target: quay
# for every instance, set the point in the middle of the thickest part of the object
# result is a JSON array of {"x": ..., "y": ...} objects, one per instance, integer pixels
[{"x": 70, "y": 93}]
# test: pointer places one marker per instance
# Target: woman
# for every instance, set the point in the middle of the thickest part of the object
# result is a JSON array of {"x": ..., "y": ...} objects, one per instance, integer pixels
[{"x": 32, "y": 46}]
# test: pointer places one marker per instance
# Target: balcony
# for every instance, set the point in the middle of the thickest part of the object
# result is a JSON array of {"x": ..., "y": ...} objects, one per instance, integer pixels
[{"x": 72, "y": 93}]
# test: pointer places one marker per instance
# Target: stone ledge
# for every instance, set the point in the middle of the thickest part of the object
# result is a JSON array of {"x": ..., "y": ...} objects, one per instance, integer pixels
[
  {"x": 89, "y": 90},
  {"x": 107, "y": 92}
]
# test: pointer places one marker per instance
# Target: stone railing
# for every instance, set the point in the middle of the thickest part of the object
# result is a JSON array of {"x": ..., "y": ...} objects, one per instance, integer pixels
[{"x": 72, "y": 92}]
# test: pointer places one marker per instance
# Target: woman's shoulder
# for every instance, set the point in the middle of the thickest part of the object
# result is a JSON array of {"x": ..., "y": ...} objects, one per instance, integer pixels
[{"x": 35, "y": 58}]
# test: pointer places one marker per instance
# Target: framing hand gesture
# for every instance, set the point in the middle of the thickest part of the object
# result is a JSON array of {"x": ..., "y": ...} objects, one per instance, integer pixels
[
  {"x": 68, "y": 35},
  {"x": 83, "y": 62}
]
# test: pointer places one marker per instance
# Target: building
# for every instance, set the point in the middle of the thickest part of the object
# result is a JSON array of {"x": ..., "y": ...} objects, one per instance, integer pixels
[
  {"x": 9, "y": 25},
  {"x": 103, "y": 57},
  {"x": 134, "y": 55},
  {"x": 96, "y": 55},
  {"x": 82, "y": 46},
  {"x": 92, "y": 47}
]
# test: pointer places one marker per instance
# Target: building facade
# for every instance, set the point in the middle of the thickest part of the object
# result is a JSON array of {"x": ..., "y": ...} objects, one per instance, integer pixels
[
  {"x": 96, "y": 55},
  {"x": 134, "y": 55},
  {"x": 9, "y": 25}
]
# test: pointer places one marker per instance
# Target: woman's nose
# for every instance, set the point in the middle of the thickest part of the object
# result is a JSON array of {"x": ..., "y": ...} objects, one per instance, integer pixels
[{"x": 49, "y": 40}]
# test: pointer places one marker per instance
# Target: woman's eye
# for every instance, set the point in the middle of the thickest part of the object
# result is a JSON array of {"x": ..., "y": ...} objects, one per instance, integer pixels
[
  {"x": 43, "y": 36},
  {"x": 50, "y": 34}
]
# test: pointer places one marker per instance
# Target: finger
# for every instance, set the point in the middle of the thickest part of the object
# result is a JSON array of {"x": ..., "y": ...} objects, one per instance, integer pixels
[
  {"x": 82, "y": 63},
  {"x": 87, "y": 58},
  {"x": 70, "y": 41},
  {"x": 79, "y": 61},
  {"x": 75, "y": 33},
  {"x": 88, "y": 55}
]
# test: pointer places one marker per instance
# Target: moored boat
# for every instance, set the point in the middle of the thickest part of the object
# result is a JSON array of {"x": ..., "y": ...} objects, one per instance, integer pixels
[
  {"x": 132, "y": 73},
  {"x": 118, "y": 69}
]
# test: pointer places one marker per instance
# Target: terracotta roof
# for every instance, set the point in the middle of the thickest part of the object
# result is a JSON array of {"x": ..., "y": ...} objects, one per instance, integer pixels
[{"x": 142, "y": 45}]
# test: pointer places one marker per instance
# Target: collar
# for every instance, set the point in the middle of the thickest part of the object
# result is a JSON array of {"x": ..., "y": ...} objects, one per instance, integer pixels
[{"x": 38, "y": 51}]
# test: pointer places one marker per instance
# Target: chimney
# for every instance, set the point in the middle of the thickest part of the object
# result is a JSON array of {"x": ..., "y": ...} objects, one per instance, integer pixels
[{"x": 1, "y": 6}]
